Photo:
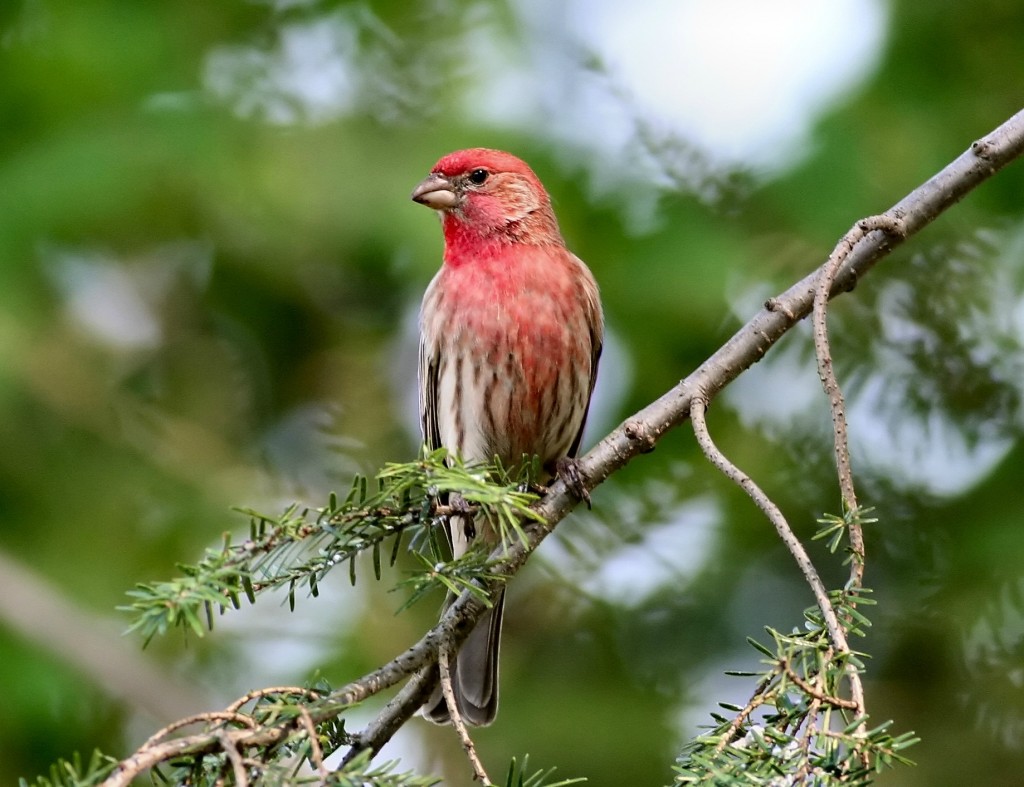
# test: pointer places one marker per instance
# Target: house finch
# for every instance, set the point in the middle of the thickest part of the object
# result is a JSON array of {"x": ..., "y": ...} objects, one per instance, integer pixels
[{"x": 510, "y": 336}]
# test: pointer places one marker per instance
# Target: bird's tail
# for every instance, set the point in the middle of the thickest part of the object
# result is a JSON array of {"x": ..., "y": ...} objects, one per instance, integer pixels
[{"x": 474, "y": 674}]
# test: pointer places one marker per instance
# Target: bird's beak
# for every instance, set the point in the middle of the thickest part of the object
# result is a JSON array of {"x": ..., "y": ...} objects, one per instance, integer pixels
[{"x": 436, "y": 192}]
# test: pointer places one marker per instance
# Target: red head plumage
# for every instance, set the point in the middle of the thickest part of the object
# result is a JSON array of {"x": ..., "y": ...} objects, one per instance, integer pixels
[{"x": 488, "y": 196}]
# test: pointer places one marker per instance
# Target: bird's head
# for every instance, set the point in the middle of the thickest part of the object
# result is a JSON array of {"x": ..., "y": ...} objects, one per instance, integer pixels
[{"x": 488, "y": 194}]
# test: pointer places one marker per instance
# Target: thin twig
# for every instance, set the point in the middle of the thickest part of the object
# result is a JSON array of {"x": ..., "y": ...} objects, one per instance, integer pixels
[
  {"x": 280, "y": 690},
  {"x": 149, "y": 756},
  {"x": 817, "y": 694},
  {"x": 759, "y": 698},
  {"x": 316, "y": 753},
  {"x": 235, "y": 758},
  {"x": 444, "y": 667},
  {"x": 893, "y": 227},
  {"x": 810, "y": 730},
  {"x": 836, "y": 631},
  {"x": 216, "y": 715}
]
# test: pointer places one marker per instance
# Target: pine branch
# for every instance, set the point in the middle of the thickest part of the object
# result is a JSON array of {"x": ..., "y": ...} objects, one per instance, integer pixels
[
  {"x": 298, "y": 548},
  {"x": 798, "y": 721}
]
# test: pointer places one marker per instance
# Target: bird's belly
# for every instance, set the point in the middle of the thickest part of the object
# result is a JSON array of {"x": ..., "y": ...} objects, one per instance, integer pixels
[{"x": 522, "y": 384}]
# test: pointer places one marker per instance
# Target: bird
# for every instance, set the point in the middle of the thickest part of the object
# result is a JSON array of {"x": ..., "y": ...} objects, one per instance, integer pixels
[{"x": 511, "y": 329}]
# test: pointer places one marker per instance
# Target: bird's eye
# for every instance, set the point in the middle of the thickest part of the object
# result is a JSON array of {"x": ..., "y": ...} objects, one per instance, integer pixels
[{"x": 478, "y": 176}]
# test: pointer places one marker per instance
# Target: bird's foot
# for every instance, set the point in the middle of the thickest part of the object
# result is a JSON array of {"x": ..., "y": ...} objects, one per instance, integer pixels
[
  {"x": 461, "y": 515},
  {"x": 568, "y": 469},
  {"x": 459, "y": 505}
]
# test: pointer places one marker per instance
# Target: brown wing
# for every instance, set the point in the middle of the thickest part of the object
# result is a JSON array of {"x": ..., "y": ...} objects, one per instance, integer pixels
[
  {"x": 595, "y": 356},
  {"x": 429, "y": 362},
  {"x": 596, "y": 323}
]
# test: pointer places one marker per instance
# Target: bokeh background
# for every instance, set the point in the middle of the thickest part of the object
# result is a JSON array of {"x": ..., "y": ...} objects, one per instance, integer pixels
[{"x": 209, "y": 272}]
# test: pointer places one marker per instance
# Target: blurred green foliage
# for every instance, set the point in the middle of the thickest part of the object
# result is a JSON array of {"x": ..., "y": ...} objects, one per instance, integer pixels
[{"x": 207, "y": 279}]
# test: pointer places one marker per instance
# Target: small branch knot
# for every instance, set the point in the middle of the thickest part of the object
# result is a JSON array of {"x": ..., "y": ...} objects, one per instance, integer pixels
[
  {"x": 637, "y": 432},
  {"x": 775, "y": 305},
  {"x": 884, "y": 222}
]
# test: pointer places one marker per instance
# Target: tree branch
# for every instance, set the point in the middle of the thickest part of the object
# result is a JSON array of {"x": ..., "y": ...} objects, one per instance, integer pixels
[{"x": 749, "y": 344}]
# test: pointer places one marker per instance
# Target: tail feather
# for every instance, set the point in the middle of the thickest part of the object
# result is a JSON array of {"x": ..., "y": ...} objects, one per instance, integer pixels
[{"x": 474, "y": 674}]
